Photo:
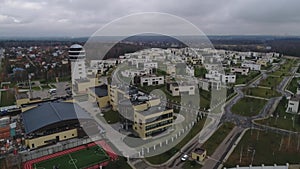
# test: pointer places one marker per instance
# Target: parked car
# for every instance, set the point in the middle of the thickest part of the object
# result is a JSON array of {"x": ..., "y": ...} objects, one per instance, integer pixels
[
  {"x": 52, "y": 91},
  {"x": 184, "y": 157}
]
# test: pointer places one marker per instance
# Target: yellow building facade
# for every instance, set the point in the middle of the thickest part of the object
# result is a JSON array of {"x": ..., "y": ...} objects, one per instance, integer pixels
[
  {"x": 147, "y": 124},
  {"x": 199, "y": 154},
  {"x": 49, "y": 139}
]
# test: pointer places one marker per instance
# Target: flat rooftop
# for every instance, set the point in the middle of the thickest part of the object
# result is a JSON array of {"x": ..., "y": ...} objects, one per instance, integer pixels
[
  {"x": 153, "y": 110},
  {"x": 199, "y": 150}
]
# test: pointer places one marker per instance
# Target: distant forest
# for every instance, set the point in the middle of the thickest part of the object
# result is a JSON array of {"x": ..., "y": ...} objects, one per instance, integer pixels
[{"x": 285, "y": 45}]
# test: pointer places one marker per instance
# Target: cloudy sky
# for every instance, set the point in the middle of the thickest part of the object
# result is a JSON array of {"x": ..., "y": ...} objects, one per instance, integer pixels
[{"x": 214, "y": 17}]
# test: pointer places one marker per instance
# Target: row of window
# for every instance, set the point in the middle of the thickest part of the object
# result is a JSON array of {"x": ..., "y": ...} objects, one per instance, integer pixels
[
  {"x": 164, "y": 116},
  {"x": 156, "y": 125},
  {"x": 155, "y": 132}
]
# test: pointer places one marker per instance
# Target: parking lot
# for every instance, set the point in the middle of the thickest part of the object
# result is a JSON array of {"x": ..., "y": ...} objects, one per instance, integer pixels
[{"x": 60, "y": 91}]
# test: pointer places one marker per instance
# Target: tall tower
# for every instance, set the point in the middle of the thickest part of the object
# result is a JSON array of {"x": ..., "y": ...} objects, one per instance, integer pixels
[{"x": 77, "y": 58}]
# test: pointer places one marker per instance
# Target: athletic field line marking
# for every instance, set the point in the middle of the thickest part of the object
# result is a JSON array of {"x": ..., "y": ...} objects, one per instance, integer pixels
[
  {"x": 103, "y": 151},
  {"x": 73, "y": 161}
]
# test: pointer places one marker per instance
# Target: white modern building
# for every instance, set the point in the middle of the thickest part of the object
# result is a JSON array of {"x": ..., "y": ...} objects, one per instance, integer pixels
[
  {"x": 151, "y": 80},
  {"x": 204, "y": 84},
  {"x": 213, "y": 74},
  {"x": 104, "y": 63},
  {"x": 135, "y": 72},
  {"x": 240, "y": 70},
  {"x": 171, "y": 69},
  {"x": 137, "y": 61},
  {"x": 214, "y": 66},
  {"x": 183, "y": 88},
  {"x": 190, "y": 71},
  {"x": 293, "y": 105},
  {"x": 217, "y": 76},
  {"x": 298, "y": 90},
  {"x": 228, "y": 78},
  {"x": 251, "y": 65},
  {"x": 149, "y": 65},
  {"x": 77, "y": 58}
]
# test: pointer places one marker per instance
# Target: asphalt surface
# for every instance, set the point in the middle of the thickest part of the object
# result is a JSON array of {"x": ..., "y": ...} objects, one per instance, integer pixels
[{"x": 247, "y": 122}]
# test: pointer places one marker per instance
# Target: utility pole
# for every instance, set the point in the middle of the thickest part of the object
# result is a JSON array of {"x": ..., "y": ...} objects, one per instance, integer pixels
[
  {"x": 281, "y": 143},
  {"x": 298, "y": 142},
  {"x": 253, "y": 154},
  {"x": 30, "y": 89},
  {"x": 241, "y": 154},
  {"x": 289, "y": 140}
]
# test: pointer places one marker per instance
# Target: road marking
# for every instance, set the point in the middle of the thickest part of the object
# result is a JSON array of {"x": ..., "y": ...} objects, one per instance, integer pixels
[{"x": 73, "y": 161}]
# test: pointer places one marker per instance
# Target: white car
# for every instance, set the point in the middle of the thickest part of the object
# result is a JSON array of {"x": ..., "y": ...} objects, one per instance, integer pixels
[{"x": 184, "y": 157}]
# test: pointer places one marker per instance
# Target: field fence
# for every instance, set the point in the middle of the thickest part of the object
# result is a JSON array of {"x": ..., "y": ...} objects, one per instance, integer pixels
[{"x": 33, "y": 154}]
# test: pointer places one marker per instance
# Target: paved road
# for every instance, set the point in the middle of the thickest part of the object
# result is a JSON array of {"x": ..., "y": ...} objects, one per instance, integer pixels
[
  {"x": 216, "y": 158},
  {"x": 243, "y": 122}
]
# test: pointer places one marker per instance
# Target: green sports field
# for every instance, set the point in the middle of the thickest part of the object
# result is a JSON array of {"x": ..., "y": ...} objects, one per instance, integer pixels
[{"x": 75, "y": 160}]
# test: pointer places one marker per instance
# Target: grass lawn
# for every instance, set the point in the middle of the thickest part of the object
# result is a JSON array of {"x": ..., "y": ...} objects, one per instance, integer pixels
[
  {"x": 277, "y": 73},
  {"x": 204, "y": 103},
  {"x": 110, "y": 116},
  {"x": 270, "y": 81},
  {"x": 267, "y": 150},
  {"x": 46, "y": 86},
  {"x": 65, "y": 79},
  {"x": 78, "y": 159},
  {"x": 191, "y": 165},
  {"x": 7, "y": 98},
  {"x": 2, "y": 163},
  {"x": 161, "y": 158},
  {"x": 281, "y": 119},
  {"x": 293, "y": 85},
  {"x": 217, "y": 138},
  {"x": 269, "y": 66},
  {"x": 284, "y": 69},
  {"x": 243, "y": 79},
  {"x": 261, "y": 92},
  {"x": 248, "y": 106},
  {"x": 200, "y": 71}
]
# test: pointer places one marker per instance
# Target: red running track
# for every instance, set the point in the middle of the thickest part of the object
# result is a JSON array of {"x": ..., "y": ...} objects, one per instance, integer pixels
[{"x": 113, "y": 156}]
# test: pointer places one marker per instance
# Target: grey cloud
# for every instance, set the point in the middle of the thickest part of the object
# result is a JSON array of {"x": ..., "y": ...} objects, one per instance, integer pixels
[{"x": 82, "y": 18}]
